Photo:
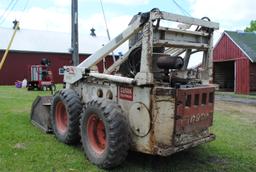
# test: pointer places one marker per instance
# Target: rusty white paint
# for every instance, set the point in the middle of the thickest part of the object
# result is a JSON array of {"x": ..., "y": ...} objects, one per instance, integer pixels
[
  {"x": 186, "y": 138},
  {"x": 153, "y": 114},
  {"x": 72, "y": 74},
  {"x": 145, "y": 76},
  {"x": 90, "y": 91},
  {"x": 139, "y": 119},
  {"x": 164, "y": 119},
  {"x": 113, "y": 78},
  {"x": 140, "y": 95},
  {"x": 187, "y": 20},
  {"x": 150, "y": 112}
]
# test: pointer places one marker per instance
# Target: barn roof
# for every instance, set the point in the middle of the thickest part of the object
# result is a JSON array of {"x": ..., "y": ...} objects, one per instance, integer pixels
[
  {"x": 246, "y": 41},
  {"x": 48, "y": 41}
]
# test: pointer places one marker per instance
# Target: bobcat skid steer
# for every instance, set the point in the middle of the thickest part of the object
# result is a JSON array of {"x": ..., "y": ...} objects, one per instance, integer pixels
[{"x": 146, "y": 101}]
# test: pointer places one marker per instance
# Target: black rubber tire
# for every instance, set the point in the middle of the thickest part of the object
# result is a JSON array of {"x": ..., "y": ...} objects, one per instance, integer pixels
[
  {"x": 116, "y": 130},
  {"x": 73, "y": 107}
]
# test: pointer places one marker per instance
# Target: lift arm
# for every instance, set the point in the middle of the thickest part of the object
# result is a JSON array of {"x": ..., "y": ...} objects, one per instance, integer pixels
[
  {"x": 166, "y": 37},
  {"x": 108, "y": 48}
]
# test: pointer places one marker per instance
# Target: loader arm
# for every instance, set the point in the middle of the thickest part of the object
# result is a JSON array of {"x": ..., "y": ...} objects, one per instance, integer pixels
[
  {"x": 112, "y": 45},
  {"x": 73, "y": 74}
]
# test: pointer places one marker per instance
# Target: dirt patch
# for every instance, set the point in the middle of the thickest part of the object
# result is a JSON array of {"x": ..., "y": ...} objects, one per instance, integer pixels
[
  {"x": 237, "y": 99},
  {"x": 20, "y": 146},
  {"x": 244, "y": 111},
  {"x": 217, "y": 160}
]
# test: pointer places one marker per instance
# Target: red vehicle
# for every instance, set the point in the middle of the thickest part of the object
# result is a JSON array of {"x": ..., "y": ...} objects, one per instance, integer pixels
[{"x": 40, "y": 77}]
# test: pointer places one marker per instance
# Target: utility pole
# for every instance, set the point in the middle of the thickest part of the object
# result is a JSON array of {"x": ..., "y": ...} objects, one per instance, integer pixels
[{"x": 74, "y": 30}]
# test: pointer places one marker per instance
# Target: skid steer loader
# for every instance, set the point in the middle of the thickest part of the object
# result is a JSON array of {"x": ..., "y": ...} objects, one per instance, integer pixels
[{"x": 146, "y": 101}]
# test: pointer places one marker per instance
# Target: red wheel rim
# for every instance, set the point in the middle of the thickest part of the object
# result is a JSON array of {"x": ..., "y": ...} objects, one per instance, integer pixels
[
  {"x": 61, "y": 118},
  {"x": 96, "y": 134}
]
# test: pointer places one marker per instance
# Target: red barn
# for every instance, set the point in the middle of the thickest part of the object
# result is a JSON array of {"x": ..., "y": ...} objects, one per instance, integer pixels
[
  {"x": 30, "y": 46},
  {"x": 234, "y": 62}
]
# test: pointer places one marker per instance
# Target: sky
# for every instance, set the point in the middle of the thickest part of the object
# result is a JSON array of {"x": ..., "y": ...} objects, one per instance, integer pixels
[{"x": 54, "y": 15}]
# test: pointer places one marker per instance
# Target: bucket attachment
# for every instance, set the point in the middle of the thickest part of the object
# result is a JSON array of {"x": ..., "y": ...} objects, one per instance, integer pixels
[{"x": 40, "y": 113}]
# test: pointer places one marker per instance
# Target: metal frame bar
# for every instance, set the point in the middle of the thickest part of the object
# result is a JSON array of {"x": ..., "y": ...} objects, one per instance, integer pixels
[
  {"x": 189, "y": 32},
  {"x": 145, "y": 76},
  {"x": 180, "y": 44},
  {"x": 113, "y": 78},
  {"x": 185, "y": 19}
]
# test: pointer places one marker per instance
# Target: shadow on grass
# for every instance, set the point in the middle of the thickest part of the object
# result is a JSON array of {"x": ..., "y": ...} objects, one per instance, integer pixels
[
  {"x": 194, "y": 159},
  {"x": 188, "y": 160}
]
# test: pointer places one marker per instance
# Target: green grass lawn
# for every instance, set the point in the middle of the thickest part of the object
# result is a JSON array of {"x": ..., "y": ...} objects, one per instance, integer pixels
[{"x": 24, "y": 148}]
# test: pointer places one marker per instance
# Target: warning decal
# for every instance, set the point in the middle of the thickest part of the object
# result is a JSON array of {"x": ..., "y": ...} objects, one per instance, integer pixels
[{"x": 126, "y": 93}]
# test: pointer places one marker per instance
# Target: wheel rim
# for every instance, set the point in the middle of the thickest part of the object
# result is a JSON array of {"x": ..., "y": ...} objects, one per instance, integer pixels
[
  {"x": 96, "y": 134},
  {"x": 61, "y": 118}
]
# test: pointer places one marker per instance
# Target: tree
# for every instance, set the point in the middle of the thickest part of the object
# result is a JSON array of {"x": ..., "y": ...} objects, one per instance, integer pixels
[{"x": 252, "y": 27}]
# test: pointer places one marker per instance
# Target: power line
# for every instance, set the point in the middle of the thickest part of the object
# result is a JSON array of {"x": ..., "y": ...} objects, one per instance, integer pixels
[
  {"x": 8, "y": 11},
  {"x": 9, "y": 5},
  {"x": 109, "y": 38},
  {"x": 24, "y": 9},
  {"x": 13, "y": 6},
  {"x": 182, "y": 9},
  {"x": 26, "y": 6},
  {"x": 105, "y": 20}
]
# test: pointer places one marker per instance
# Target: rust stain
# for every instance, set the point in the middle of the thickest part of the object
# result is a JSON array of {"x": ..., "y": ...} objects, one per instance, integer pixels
[
  {"x": 152, "y": 139},
  {"x": 194, "y": 113}
]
